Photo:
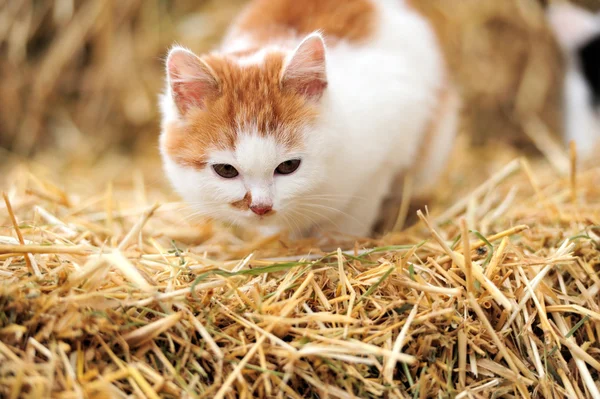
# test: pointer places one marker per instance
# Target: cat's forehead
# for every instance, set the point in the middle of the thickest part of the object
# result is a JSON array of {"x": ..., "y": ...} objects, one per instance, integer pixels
[
  {"x": 250, "y": 104},
  {"x": 257, "y": 154},
  {"x": 251, "y": 147},
  {"x": 247, "y": 69},
  {"x": 251, "y": 93}
]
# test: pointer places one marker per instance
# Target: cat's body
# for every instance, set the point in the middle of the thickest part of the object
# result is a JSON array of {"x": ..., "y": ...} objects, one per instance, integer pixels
[
  {"x": 578, "y": 34},
  {"x": 352, "y": 114}
]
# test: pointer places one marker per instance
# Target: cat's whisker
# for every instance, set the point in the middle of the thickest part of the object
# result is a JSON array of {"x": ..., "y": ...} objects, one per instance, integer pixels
[
  {"x": 333, "y": 197},
  {"x": 201, "y": 214},
  {"x": 333, "y": 209},
  {"x": 232, "y": 223},
  {"x": 312, "y": 206},
  {"x": 316, "y": 213},
  {"x": 199, "y": 206},
  {"x": 313, "y": 222},
  {"x": 288, "y": 219}
]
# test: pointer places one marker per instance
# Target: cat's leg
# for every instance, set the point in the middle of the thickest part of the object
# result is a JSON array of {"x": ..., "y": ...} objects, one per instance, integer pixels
[
  {"x": 358, "y": 218},
  {"x": 433, "y": 159},
  {"x": 419, "y": 183}
]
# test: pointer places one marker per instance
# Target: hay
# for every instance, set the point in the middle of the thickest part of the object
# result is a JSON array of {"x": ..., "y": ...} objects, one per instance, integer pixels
[
  {"x": 493, "y": 293},
  {"x": 82, "y": 77},
  {"x": 104, "y": 294}
]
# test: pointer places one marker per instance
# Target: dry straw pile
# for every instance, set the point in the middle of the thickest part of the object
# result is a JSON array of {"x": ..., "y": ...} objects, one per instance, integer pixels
[
  {"x": 494, "y": 293},
  {"x": 497, "y": 295}
]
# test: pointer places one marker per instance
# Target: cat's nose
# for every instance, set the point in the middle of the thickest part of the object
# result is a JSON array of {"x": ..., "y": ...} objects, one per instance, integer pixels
[{"x": 261, "y": 209}]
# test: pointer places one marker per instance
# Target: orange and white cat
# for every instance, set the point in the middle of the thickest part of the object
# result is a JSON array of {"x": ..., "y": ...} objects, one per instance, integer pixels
[{"x": 306, "y": 113}]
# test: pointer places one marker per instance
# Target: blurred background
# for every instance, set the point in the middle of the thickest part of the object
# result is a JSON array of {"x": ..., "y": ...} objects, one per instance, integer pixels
[{"x": 80, "y": 78}]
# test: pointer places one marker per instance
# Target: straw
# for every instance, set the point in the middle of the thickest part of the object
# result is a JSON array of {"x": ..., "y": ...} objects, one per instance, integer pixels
[
  {"x": 494, "y": 291},
  {"x": 135, "y": 312}
]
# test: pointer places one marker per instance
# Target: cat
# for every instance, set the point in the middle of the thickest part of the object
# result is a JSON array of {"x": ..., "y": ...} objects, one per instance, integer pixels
[
  {"x": 578, "y": 34},
  {"x": 307, "y": 113}
]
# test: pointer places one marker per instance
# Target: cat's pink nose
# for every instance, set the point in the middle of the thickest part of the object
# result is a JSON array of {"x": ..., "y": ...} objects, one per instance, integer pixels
[{"x": 261, "y": 210}]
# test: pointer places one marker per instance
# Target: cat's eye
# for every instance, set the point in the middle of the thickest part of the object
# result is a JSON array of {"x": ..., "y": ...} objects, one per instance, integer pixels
[
  {"x": 225, "y": 170},
  {"x": 287, "y": 167}
]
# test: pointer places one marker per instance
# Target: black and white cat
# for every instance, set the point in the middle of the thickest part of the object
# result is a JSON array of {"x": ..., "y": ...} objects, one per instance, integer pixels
[{"x": 578, "y": 33}]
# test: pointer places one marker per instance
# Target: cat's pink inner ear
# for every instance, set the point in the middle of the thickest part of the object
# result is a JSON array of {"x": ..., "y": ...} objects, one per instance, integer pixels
[
  {"x": 191, "y": 80},
  {"x": 305, "y": 72}
]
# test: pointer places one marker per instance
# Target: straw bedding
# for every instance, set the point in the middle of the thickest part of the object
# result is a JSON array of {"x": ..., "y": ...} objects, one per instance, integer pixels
[
  {"x": 493, "y": 294},
  {"x": 108, "y": 288}
]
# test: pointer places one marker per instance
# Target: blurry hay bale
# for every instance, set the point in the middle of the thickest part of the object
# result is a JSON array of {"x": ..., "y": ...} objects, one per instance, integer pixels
[
  {"x": 505, "y": 60},
  {"x": 83, "y": 75}
]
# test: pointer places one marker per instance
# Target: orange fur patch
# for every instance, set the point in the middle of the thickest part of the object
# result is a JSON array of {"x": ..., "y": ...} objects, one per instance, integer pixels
[
  {"x": 244, "y": 203},
  {"x": 351, "y": 20},
  {"x": 250, "y": 98}
]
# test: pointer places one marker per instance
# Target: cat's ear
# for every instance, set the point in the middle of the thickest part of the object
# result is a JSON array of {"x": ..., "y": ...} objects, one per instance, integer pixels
[
  {"x": 572, "y": 25},
  {"x": 305, "y": 70},
  {"x": 190, "y": 79}
]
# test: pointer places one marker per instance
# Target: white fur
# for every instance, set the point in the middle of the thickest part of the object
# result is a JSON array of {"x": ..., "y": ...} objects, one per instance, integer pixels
[
  {"x": 238, "y": 42},
  {"x": 254, "y": 58},
  {"x": 373, "y": 116},
  {"x": 573, "y": 26},
  {"x": 582, "y": 121}
]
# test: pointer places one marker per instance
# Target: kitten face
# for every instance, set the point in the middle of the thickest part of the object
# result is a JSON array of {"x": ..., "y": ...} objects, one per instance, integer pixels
[{"x": 240, "y": 141}]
